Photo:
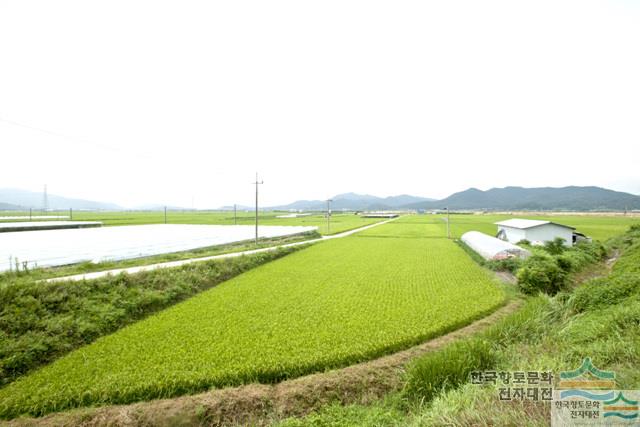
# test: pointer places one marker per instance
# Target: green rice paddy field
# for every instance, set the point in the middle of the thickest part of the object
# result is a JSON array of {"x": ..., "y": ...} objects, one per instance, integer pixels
[
  {"x": 332, "y": 304},
  {"x": 600, "y": 227}
]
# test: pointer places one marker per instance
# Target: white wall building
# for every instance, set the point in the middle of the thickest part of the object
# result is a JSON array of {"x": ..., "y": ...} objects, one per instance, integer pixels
[{"x": 537, "y": 232}]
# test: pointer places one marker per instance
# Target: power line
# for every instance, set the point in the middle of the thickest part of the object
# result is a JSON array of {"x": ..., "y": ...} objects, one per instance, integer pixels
[{"x": 72, "y": 140}]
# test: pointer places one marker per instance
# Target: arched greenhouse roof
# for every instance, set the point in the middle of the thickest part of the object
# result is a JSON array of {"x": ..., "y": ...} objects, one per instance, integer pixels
[{"x": 492, "y": 248}]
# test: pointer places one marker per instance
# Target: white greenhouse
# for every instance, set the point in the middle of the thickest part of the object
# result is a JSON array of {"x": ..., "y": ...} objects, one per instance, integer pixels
[{"x": 491, "y": 248}]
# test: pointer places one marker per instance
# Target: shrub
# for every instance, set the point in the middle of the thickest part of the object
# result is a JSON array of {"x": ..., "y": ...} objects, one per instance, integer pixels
[
  {"x": 447, "y": 368},
  {"x": 547, "y": 270},
  {"x": 508, "y": 264},
  {"x": 541, "y": 273},
  {"x": 555, "y": 246}
]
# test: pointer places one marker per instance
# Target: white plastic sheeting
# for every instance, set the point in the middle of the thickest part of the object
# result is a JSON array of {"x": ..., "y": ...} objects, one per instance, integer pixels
[
  {"x": 492, "y": 248},
  {"x": 61, "y": 247}
]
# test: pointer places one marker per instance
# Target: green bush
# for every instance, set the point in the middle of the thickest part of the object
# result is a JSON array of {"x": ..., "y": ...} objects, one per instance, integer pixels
[
  {"x": 447, "y": 368},
  {"x": 555, "y": 246},
  {"x": 547, "y": 270},
  {"x": 541, "y": 273},
  {"x": 508, "y": 264}
]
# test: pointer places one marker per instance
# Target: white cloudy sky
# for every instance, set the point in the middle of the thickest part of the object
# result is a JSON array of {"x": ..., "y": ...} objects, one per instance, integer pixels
[{"x": 160, "y": 102}]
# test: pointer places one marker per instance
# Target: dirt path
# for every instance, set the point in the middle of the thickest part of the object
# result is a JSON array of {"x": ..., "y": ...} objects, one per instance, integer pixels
[
  {"x": 170, "y": 264},
  {"x": 612, "y": 259},
  {"x": 258, "y": 404}
]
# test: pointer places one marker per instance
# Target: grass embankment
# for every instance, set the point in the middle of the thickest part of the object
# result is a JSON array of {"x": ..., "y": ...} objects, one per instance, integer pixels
[
  {"x": 332, "y": 304},
  {"x": 39, "y": 322},
  {"x": 599, "y": 319}
]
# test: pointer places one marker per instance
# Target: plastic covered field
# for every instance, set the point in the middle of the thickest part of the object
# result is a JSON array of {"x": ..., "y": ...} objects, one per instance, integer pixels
[
  {"x": 492, "y": 248},
  {"x": 61, "y": 247}
]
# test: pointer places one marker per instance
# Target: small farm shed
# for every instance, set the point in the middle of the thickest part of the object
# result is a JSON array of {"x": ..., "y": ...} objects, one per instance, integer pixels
[
  {"x": 535, "y": 231},
  {"x": 492, "y": 248}
]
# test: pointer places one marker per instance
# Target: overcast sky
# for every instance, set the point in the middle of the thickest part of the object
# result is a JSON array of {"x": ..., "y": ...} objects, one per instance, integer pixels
[{"x": 140, "y": 102}]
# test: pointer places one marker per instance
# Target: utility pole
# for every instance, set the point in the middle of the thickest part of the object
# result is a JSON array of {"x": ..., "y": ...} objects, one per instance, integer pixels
[
  {"x": 30, "y": 215},
  {"x": 257, "y": 183},
  {"x": 70, "y": 214},
  {"x": 165, "y": 214},
  {"x": 235, "y": 214},
  {"x": 329, "y": 215},
  {"x": 448, "y": 226}
]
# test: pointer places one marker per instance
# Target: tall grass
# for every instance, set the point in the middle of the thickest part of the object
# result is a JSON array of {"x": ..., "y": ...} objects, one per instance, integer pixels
[{"x": 446, "y": 369}]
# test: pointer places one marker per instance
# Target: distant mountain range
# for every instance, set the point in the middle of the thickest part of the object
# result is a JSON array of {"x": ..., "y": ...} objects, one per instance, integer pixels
[
  {"x": 543, "y": 198},
  {"x": 14, "y": 198},
  {"x": 495, "y": 199},
  {"x": 353, "y": 201}
]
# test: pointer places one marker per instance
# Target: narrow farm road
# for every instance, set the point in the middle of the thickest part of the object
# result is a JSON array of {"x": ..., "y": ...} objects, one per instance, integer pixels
[{"x": 170, "y": 264}]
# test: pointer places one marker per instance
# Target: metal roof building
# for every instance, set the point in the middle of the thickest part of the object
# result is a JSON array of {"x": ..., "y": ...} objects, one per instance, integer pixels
[{"x": 535, "y": 231}]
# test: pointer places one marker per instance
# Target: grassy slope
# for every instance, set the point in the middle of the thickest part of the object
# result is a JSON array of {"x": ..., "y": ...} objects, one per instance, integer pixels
[
  {"x": 332, "y": 304},
  {"x": 600, "y": 319}
]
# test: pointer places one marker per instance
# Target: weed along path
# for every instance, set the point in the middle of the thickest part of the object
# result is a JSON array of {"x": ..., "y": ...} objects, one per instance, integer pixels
[
  {"x": 170, "y": 264},
  {"x": 346, "y": 301}
]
